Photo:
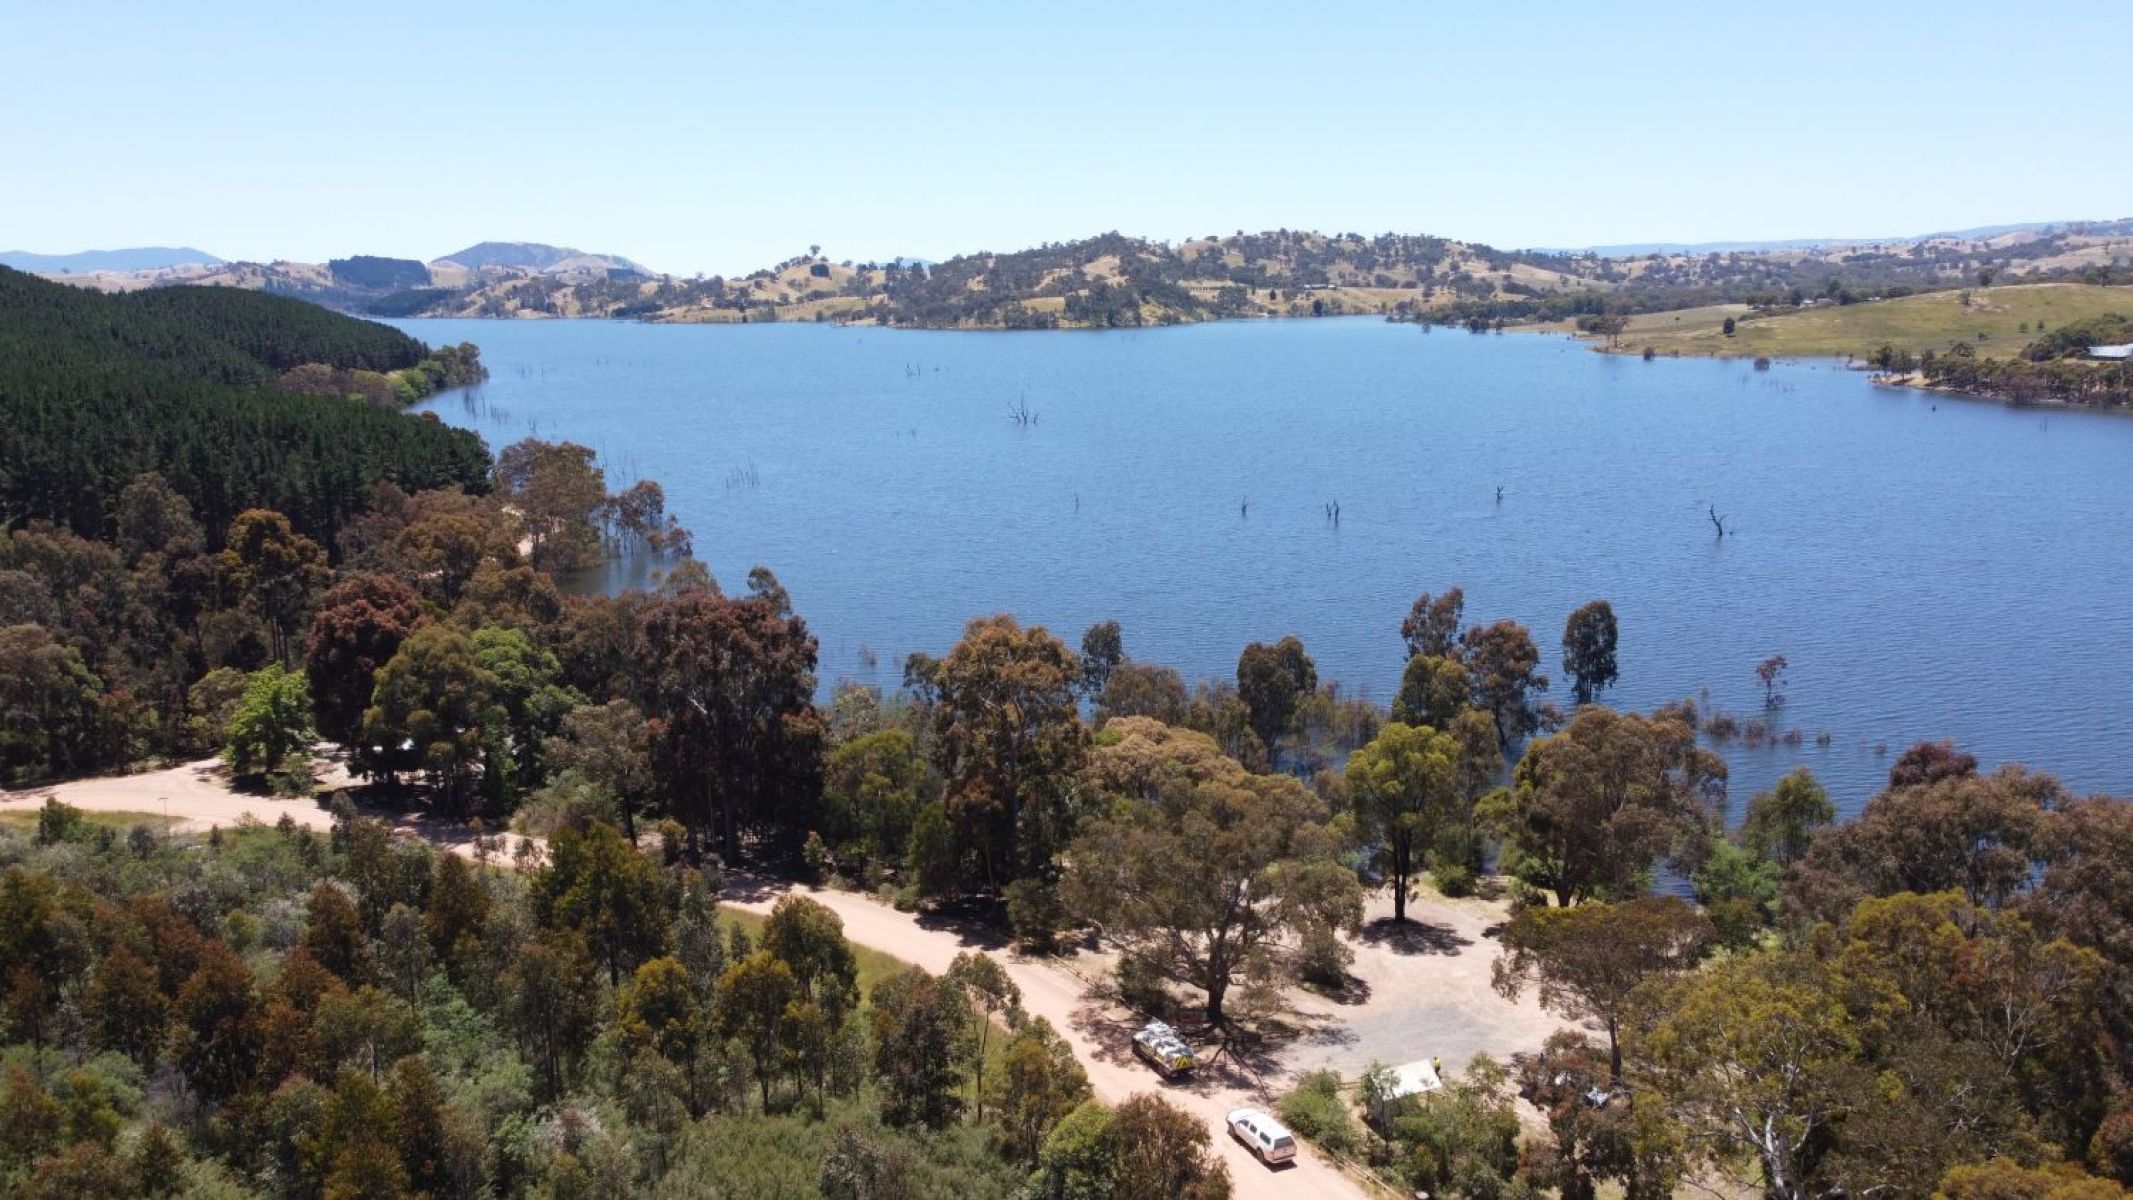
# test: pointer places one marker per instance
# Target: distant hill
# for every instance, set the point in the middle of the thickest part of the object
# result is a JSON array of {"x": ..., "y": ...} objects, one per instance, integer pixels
[
  {"x": 133, "y": 258},
  {"x": 1978, "y": 234},
  {"x": 535, "y": 256},
  {"x": 384, "y": 274}
]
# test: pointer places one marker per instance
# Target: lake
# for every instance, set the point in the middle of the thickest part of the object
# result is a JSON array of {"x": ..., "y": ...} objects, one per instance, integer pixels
[{"x": 1929, "y": 566}]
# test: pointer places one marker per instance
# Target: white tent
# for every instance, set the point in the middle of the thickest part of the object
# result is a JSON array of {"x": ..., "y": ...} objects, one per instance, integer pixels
[{"x": 1415, "y": 1078}]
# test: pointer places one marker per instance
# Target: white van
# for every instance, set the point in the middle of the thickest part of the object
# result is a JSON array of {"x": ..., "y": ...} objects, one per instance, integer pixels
[{"x": 1263, "y": 1135}]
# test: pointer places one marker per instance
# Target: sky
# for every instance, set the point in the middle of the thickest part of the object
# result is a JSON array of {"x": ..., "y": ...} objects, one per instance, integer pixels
[{"x": 720, "y": 138}]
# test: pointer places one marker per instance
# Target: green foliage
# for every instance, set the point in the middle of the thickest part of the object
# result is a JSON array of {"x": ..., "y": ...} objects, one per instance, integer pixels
[
  {"x": 919, "y": 1050},
  {"x": 1272, "y": 681},
  {"x": 1404, "y": 787},
  {"x": 97, "y": 389},
  {"x": 1316, "y": 1111},
  {"x": 1007, "y": 736},
  {"x": 872, "y": 787},
  {"x": 50, "y": 720},
  {"x": 271, "y": 723},
  {"x": 602, "y": 889},
  {"x": 1433, "y": 692},
  {"x": 1593, "y": 807},
  {"x": 1464, "y": 1139},
  {"x": 1036, "y": 913},
  {"x": 432, "y": 710},
  {"x": 1201, "y": 869}
]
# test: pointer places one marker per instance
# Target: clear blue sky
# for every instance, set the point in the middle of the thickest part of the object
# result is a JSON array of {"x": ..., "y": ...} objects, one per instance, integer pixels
[{"x": 719, "y": 138}]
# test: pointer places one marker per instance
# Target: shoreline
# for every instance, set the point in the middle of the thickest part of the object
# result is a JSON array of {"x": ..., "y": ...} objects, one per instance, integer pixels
[{"x": 1906, "y": 380}]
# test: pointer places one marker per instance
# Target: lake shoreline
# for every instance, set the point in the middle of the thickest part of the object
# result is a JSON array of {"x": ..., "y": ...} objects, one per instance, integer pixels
[{"x": 1904, "y": 380}]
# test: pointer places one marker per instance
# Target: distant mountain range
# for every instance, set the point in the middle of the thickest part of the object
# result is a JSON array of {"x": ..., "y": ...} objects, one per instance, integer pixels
[{"x": 134, "y": 258}]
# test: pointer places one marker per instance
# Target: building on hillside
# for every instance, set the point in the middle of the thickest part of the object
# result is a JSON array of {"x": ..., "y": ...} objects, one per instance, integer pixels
[{"x": 2122, "y": 351}]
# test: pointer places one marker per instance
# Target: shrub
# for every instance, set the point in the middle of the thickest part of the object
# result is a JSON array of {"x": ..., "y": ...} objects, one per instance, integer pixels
[
  {"x": 1456, "y": 860},
  {"x": 673, "y": 840},
  {"x": 1035, "y": 912},
  {"x": 1316, "y": 1111},
  {"x": 292, "y": 775},
  {"x": 58, "y": 822},
  {"x": 1322, "y": 960},
  {"x": 1141, "y": 986},
  {"x": 1454, "y": 879}
]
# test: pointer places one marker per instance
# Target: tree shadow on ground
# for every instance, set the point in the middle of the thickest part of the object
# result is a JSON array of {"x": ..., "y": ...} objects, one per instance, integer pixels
[
  {"x": 1352, "y": 990},
  {"x": 978, "y": 925},
  {"x": 1414, "y": 937},
  {"x": 747, "y": 887},
  {"x": 1243, "y": 1053}
]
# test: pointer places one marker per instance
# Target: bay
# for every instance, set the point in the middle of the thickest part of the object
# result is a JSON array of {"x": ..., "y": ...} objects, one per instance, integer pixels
[{"x": 1930, "y": 567}]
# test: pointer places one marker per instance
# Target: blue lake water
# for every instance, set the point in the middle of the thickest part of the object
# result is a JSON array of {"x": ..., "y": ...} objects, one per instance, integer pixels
[{"x": 1930, "y": 567}]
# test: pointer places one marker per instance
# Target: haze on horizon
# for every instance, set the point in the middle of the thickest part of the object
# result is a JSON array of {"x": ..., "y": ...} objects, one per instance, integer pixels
[{"x": 723, "y": 139}]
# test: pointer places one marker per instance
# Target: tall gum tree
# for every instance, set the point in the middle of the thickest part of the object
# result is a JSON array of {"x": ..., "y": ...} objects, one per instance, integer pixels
[
  {"x": 1591, "y": 808},
  {"x": 1008, "y": 738},
  {"x": 736, "y": 741},
  {"x": 1405, "y": 788},
  {"x": 1198, "y": 869}
]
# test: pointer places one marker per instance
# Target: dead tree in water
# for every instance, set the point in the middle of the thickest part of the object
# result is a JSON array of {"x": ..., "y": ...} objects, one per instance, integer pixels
[
  {"x": 1019, "y": 412},
  {"x": 1718, "y": 521}
]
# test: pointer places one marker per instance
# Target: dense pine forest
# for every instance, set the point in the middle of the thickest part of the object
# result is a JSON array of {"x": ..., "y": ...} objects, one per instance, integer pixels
[{"x": 195, "y": 384}]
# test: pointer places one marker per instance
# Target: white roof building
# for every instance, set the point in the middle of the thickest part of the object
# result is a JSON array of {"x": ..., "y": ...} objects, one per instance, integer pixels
[{"x": 2124, "y": 351}]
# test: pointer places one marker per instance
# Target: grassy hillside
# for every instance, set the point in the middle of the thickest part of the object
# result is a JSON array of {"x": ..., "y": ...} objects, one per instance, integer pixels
[
  {"x": 1114, "y": 279},
  {"x": 1997, "y": 322}
]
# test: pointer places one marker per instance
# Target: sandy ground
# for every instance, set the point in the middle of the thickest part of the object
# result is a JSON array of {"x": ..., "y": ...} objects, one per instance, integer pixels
[
  {"x": 198, "y": 795},
  {"x": 195, "y": 796},
  {"x": 1419, "y": 991},
  {"x": 1098, "y": 1032},
  {"x": 1416, "y": 991}
]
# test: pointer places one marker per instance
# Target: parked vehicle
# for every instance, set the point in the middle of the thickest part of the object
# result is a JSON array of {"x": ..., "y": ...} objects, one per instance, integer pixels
[
  {"x": 1164, "y": 1049},
  {"x": 1262, "y": 1135}
]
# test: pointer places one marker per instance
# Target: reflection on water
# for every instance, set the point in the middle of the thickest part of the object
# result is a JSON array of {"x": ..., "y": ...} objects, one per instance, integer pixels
[{"x": 1930, "y": 568}]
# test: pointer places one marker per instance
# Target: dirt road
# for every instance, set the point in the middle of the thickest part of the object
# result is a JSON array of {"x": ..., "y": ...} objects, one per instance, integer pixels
[
  {"x": 1098, "y": 1033},
  {"x": 194, "y": 796},
  {"x": 198, "y": 795},
  {"x": 1421, "y": 989}
]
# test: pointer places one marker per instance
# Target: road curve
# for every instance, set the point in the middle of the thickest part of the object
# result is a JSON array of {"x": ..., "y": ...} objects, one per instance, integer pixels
[
  {"x": 197, "y": 795},
  {"x": 1098, "y": 1037}
]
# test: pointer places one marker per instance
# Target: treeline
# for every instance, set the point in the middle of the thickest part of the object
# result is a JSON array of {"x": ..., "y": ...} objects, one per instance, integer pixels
[
  {"x": 1823, "y": 982},
  {"x": 97, "y": 390},
  {"x": 272, "y": 1011},
  {"x": 144, "y": 645},
  {"x": 2054, "y": 368}
]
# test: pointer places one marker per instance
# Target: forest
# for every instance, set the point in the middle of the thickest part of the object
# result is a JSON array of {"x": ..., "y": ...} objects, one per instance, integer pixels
[
  {"x": 1930, "y": 999},
  {"x": 193, "y": 384}
]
